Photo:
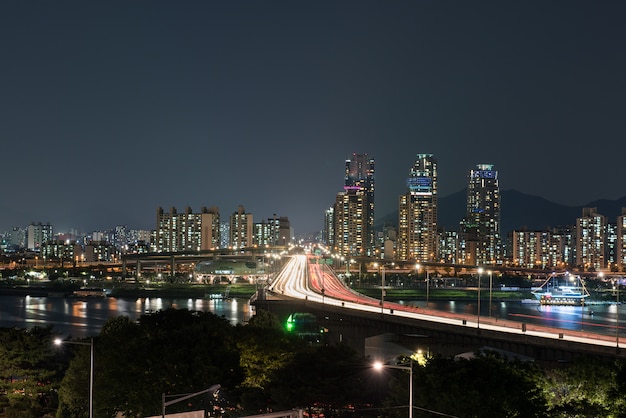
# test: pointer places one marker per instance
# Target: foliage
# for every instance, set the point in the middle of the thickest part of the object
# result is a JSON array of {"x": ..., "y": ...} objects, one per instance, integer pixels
[
  {"x": 484, "y": 386},
  {"x": 264, "y": 348},
  {"x": 169, "y": 352},
  {"x": 326, "y": 379},
  {"x": 29, "y": 372},
  {"x": 583, "y": 389},
  {"x": 263, "y": 368}
]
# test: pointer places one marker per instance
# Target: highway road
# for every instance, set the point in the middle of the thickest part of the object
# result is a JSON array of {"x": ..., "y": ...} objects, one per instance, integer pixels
[{"x": 303, "y": 278}]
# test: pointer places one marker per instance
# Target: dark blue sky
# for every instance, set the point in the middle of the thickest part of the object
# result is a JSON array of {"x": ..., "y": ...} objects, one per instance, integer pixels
[{"x": 111, "y": 109}]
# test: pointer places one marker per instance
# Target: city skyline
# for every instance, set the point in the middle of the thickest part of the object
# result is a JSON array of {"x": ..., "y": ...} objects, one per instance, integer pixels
[{"x": 113, "y": 110}]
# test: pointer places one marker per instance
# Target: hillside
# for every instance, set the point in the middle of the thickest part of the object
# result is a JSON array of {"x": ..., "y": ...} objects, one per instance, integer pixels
[{"x": 519, "y": 210}]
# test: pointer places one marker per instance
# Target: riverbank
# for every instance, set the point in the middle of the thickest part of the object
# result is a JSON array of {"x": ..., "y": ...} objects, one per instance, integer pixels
[
  {"x": 134, "y": 291},
  {"x": 245, "y": 291}
]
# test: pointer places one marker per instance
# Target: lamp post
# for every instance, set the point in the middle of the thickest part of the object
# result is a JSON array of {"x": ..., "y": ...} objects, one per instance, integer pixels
[
  {"x": 180, "y": 398},
  {"x": 382, "y": 290},
  {"x": 379, "y": 366},
  {"x": 419, "y": 266},
  {"x": 490, "y": 289},
  {"x": 617, "y": 314},
  {"x": 59, "y": 341},
  {"x": 480, "y": 271}
]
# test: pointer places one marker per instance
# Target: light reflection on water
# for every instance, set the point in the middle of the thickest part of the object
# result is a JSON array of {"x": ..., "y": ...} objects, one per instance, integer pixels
[
  {"x": 85, "y": 317},
  {"x": 81, "y": 318},
  {"x": 600, "y": 318}
]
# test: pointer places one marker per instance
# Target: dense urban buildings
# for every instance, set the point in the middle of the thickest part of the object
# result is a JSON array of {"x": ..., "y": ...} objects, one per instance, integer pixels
[
  {"x": 203, "y": 231},
  {"x": 593, "y": 242}
]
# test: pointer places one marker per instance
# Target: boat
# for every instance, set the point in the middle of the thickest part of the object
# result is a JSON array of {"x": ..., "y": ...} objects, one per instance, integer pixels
[
  {"x": 89, "y": 292},
  {"x": 562, "y": 289}
]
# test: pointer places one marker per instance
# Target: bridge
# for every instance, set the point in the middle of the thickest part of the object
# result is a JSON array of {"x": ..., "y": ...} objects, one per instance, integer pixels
[{"x": 371, "y": 325}]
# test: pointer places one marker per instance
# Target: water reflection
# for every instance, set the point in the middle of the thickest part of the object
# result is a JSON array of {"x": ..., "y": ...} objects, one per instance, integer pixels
[{"x": 81, "y": 318}]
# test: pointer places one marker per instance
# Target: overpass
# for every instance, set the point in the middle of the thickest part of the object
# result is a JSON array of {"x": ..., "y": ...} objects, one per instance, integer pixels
[{"x": 357, "y": 320}]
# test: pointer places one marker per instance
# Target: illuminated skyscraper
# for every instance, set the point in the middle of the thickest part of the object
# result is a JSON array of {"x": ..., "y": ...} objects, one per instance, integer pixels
[
  {"x": 275, "y": 231},
  {"x": 241, "y": 229},
  {"x": 481, "y": 240},
  {"x": 359, "y": 180},
  {"x": 417, "y": 223},
  {"x": 328, "y": 232},
  {"x": 37, "y": 234},
  {"x": 350, "y": 223},
  {"x": 590, "y": 240},
  {"x": 620, "y": 252}
]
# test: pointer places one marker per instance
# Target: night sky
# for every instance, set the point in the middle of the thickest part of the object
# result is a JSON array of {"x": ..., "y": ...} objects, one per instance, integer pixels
[{"x": 110, "y": 109}]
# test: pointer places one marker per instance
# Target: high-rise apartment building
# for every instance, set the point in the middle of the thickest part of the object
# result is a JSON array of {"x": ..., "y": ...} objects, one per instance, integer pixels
[
  {"x": 328, "y": 232},
  {"x": 350, "y": 224},
  {"x": 273, "y": 232},
  {"x": 241, "y": 229},
  {"x": 187, "y": 231},
  {"x": 360, "y": 179},
  {"x": 620, "y": 245},
  {"x": 533, "y": 249},
  {"x": 37, "y": 234},
  {"x": 480, "y": 229},
  {"x": 590, "y": 240},
  {"x": 417, "y": 223}
]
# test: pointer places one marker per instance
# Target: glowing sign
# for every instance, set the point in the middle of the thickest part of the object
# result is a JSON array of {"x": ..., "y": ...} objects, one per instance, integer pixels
[{"x": 420, "y": 184}]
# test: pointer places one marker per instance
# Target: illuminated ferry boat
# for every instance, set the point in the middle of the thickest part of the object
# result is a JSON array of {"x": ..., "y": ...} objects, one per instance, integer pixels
[{"x": 562, "y": 289}]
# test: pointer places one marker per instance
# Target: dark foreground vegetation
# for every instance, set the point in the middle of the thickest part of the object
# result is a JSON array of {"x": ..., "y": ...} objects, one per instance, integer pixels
[{"x": 261, "y": 367}]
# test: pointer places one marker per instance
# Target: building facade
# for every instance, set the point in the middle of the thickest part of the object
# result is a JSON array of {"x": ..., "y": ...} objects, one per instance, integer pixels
[
  {"x": 351, "y": 232},
  {"x": 417, "y": 212},
  {"x": 360, "y": 179},
  {"x": 241, "y": 229},
  {"x": 37, "y": 234},
  {"x": 620, "y": 252},
  {"x": 480, "y": 229},
  {"x": 187, "y": 231},
  {"x": 273, "y": 232},
  {"x": 590, "y": 240}
]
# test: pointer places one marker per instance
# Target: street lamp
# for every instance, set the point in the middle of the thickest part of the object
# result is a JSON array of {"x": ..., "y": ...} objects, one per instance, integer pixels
[
  {"x": 490, "y": 289},
  {"x": 427, "y": 282},
  {"x": 382, "y": 288},
  {"x": 184, "y": 397},
  {"x": 379, "y": 366},
  {"x": 617, "y": 284},
  {"x": 59, "y": 341},
  {"x": 480, "y": 271}
]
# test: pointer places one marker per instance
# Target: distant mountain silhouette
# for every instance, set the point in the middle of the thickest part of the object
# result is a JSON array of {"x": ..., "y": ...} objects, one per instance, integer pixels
[{"x": 519, "y": 210}]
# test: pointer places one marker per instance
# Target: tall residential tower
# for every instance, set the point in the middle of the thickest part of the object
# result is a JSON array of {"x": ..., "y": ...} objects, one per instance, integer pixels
[
  {"x": 480, "y": 229},
  {"x": 417, "y": 223},
  {"x": 354, "y": 208}
]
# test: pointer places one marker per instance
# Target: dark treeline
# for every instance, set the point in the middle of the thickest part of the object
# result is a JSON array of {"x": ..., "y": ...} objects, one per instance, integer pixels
[{"x": 261, "y": 368}]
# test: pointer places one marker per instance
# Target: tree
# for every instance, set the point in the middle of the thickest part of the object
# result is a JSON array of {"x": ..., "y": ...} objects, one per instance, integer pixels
[
  {"x": 327, "y": 379},
  {"x": 171, "y": 351},
  {"x": 29, "y": 372},
  {"x": 585, "y": 388},
  {"x": 484, "y": 386},
  {"x": 264, "y": 348}
]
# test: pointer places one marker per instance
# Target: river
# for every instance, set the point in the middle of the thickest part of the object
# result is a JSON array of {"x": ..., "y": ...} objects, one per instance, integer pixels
[
  {"x": 84, "y": 317},
  {"x": 595, "y": 318}
]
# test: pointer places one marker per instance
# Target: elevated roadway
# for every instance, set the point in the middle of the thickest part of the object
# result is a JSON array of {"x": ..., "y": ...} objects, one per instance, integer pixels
[{"x": 306, "y": 285}]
